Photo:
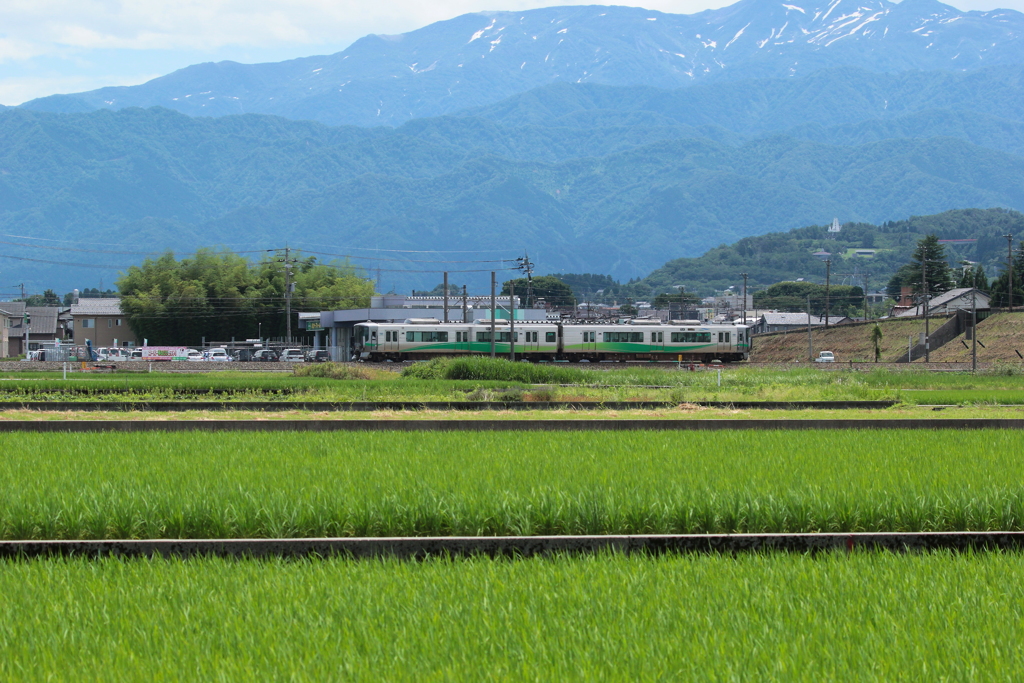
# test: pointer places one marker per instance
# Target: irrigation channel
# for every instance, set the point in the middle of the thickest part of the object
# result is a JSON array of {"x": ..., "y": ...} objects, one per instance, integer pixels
[
  {"x": 506, "y": 425},
  {"x": 519, "y": 546}
]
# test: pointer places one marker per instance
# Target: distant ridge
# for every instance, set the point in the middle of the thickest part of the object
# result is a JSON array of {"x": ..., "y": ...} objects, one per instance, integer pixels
[{"x": 478, "y": 59}]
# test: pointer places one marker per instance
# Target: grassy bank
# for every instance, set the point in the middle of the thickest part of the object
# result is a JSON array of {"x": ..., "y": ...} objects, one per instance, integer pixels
[
  {"x": 202, "y": 485},
  {"x": 482, "y": 379},
  {"x": 754, "y": 617}
]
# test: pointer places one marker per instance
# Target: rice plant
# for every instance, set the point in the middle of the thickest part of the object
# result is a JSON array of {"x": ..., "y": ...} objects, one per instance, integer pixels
[
  {"x": 858, "y": 616},
  {"x": 199, "y": 485}
]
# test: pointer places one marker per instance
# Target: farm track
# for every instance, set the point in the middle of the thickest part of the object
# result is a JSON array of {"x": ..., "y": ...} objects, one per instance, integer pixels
[
  {"x": 504, "y": 425},
  {"x": 518, "y": 546}
]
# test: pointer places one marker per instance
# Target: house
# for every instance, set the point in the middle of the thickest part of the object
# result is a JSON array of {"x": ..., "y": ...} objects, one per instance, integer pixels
[
  {"x": 43, "y": 326},
  {"x": 5, "y": 321},
  {"x": 955, "y": 299},
  {"x": 782, "y": 322},
  {"x": 102, "y": 322}
]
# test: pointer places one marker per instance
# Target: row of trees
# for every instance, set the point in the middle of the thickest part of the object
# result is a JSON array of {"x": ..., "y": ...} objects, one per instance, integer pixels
[
  {"x": 929, "y": 265},
  {"x": 794, "y": 296},
  {"x": 219, "y": 295}
]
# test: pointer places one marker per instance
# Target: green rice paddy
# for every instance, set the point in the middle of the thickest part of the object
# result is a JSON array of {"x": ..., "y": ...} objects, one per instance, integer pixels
[
  {"x": 871, "y": 616},
  {"x": 225, "y": 485}
]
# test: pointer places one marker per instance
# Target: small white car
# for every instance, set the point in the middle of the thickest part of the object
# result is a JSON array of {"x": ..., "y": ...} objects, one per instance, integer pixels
[
  {"x": 218, "y": 355},
  {"x": 292, "y": 356},
  {"x": 194, "y": 355},
  {"x": 825, "y": 357}
]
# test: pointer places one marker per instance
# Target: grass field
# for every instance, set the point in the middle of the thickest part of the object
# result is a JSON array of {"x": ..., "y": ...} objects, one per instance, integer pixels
[
  {"x": 877, "y": 617},
  {"x": 197, "y": 485},
  {"x": 484, "y": 380}
]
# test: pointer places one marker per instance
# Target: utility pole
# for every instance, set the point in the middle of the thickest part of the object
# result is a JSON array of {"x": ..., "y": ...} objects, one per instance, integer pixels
[
  {"x": 527, "y": 267},
  {"x": 866, "y": 316},
  {"x": 22, "y": 285},
  {"x": 744, "y": 298},
  {"x": 1010, "y": 265},
  {"x": 974, "y": 330},
  {"x": 810, "y": 341},
  {"x": 512, "y": 321},
  {"x": 287, "y": 297},
  {"x": 446, "y": 296},
  {"x": 924, "y": 276},
  {"x": 492, "y": 313},
  {"x": 828, "y": 280},
  {"x": 465, "y": 305}
]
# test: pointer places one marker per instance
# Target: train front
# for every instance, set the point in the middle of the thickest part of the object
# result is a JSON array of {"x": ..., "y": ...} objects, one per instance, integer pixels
[{"x": 364, "y": 340}]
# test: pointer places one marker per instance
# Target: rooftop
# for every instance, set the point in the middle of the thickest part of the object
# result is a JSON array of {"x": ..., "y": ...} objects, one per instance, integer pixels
[{"x": 96, "y": 307}]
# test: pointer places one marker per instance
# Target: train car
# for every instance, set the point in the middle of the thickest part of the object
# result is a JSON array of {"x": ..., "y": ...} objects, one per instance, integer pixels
[{"x": 421, "y": 339}]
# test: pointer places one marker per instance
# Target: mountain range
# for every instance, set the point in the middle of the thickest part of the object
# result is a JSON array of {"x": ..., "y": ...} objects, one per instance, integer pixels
[
  {"x": 482, "y": 58},
  {"x": 871, "y": 113}
]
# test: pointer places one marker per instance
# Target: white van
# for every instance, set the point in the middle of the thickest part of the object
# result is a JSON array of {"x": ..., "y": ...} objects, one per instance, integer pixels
[{"x": 112, "y": 353}]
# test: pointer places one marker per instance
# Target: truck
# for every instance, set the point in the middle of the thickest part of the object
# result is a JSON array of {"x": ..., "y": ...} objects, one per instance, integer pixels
[{"x": 825, "y": 357}]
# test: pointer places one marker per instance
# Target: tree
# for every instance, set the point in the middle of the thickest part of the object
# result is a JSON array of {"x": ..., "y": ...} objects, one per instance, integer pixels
[
  {"x": 792, "y": 296},
  {"x": 998, "y": 289},
  {"x": 929, "y": 259},
  {"x": 547, "y": 287},
  {"x": 974, "y": 277},
  {"x": 221, "y": 295},
  {"x": 47, "y": 298},
  {"x": 876, "y": 341}
]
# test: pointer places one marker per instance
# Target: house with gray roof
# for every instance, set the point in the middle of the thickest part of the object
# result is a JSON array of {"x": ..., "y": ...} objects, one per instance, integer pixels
[
  {"x": 782, "y": 322},
  {"x": 955, "y": 299},
  {"x": 102, "y": 322},
  {"x": 43, "y": 326}
]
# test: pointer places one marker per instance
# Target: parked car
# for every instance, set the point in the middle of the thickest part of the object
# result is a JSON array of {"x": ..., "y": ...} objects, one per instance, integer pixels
[
  {"x": 112, "y": 353},
  {"x": 264, "y": 356},
  {"x": 194, "y": 355},
  {"x": 291, "y": 356},
  {"x": 219, "y": 354},
  {"x": 825, "y": 357},
  {"x": 318, "y": 356}
]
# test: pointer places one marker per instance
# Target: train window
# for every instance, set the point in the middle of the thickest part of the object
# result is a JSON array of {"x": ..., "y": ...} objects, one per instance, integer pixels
[
  {"x": 501, "y": 336},
  {"x": 727, "y": 335},
  {"x": 691, "y": 337},
  {"x": 430, "y": 336},
  {"x": 620, "y": 337},
  {"x": 593, "y": 336},
  {"x": 719, "y": 337},
  {"x": 549, "y": 336}
]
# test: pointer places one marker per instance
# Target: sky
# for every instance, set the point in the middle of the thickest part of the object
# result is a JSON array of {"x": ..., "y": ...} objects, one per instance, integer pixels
[{"x": 65, "y": 46}]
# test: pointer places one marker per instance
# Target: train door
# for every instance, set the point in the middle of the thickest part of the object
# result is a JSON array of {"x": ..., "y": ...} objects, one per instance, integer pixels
[
  {"x": 724, "y": 340},
  {"x": 531, "y": 341},
  {"x": 390, "y": 342},
  {"x": 590, "y": 340},
  {"x": 658, "y": 341},
  {"x": 462, "y": 341}
]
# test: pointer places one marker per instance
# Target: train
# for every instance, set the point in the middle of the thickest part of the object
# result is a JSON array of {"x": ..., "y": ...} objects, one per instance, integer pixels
[{"x": 678, "y": 340}]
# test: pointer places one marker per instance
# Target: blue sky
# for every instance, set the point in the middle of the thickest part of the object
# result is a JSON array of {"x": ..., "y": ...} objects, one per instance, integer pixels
[{"x": 63, "y": 46}]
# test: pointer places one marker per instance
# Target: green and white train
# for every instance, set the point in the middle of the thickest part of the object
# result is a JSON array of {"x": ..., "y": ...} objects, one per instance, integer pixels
[{"x": 422, "y": 339}]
